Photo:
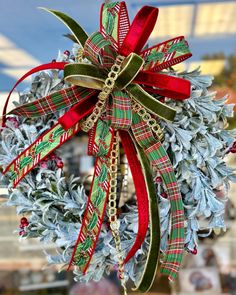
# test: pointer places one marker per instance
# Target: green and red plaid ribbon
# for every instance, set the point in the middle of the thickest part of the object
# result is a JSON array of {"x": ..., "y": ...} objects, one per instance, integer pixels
[
  {"x": 160, "y": 161},
  {"x": 54, "y": 102},
  {"x": 137, "y": 80},
  {"x": 101, "y": 138}
]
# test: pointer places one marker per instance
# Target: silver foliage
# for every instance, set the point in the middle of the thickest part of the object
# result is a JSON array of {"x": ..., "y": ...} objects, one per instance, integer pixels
[{"x": 195, "y": 141}]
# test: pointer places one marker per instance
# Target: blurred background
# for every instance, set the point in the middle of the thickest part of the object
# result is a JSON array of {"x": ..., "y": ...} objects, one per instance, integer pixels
[{"x": 29, "y": 37}]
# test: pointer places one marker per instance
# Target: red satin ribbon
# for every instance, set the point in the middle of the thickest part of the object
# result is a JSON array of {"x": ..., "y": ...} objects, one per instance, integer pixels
[
  {"x": 77, "y": 112},
  {"x": 168, "y": 86},
  {"x": 141, "y": 192},
  {"x": 138, "y": 34},
  {"x": 140, "y": 30}
]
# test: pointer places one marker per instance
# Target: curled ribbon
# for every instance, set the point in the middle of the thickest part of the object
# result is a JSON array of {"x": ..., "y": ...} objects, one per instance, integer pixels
[{"x": 129, "y": 107}]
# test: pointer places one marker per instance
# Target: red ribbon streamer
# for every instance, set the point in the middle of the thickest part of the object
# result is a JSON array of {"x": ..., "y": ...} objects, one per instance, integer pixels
[{"x": 141, "y": 192}]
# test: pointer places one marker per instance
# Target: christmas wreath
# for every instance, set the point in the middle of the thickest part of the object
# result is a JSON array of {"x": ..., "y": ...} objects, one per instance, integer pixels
[{"x": 172, "y": 132}]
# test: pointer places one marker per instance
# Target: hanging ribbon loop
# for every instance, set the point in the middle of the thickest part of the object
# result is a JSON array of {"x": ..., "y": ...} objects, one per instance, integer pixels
[{"x": 140, "y": 30}]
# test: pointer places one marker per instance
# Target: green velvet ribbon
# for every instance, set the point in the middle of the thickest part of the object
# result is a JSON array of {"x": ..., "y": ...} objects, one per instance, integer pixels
[
  {"x": 151, "y": 264},
  {"x": 90, "y": 76}
]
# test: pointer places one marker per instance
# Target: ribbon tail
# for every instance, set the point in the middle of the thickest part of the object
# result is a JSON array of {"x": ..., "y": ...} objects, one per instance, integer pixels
[
  {"x": 174, "y": 254},
  {"x": 159, "y": 159},
  {"x": 50, "y": 140},
  {"x": 53, "y": 102},
  {"x": 100, "y": 142},
  {"x": 77, "y": 31},
  {"x": 141, "y": 192},
  {"x": 93, "y": 217},
  {"x": 151, "y": 264}
]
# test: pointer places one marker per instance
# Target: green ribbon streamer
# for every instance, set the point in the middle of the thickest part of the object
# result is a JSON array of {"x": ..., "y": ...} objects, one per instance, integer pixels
[
  {"x": 78, "y": 32},
  {"x": 150, "y": 103},
  {"x": 151, "y": 264}
]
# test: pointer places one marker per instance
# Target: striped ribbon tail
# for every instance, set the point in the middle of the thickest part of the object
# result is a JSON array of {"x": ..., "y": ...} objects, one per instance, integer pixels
[
  {"x": 64, "y": 129},
  {"x": 114, "y": 22},
  {"x": 38, "y": 150},
  {"x": 161, "y": 162},
  {"x": 100, "y": 145},
  {"x": 174, "y": 254},
  {"x": 53, "y": 102},
  {"x": 166, "y": 54}
]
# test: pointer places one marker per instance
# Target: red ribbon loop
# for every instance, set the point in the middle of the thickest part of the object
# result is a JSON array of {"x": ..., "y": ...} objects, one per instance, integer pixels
[
  {"x": 166, "y": 85},
  {"x": 140, "y": 30},
  {"x": 77, "y": 112},
  {"x": 48, "y": 66}
]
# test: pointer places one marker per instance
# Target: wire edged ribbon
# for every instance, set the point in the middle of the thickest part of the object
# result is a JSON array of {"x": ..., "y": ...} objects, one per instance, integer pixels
[{"x": 126, "y": 95}]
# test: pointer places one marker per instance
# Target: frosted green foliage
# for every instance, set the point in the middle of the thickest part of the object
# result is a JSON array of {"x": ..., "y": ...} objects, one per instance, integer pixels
[{"x": 196, "y": 143}]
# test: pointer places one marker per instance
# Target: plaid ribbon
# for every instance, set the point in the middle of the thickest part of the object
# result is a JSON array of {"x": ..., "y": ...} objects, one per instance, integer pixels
[
  {"x": 48, "y": 141},
  {"x": 53, "y": 102},
  {"x": 161, "y": 162},
  {"x": 116, "y": 36},
  {"x": 99, "y": 50},
  {"x": 96, "y": 206},
  {"x": 121, "y": 117},
  {"x": 166, "y": 54},
  {"x": 39, "y": 150}
]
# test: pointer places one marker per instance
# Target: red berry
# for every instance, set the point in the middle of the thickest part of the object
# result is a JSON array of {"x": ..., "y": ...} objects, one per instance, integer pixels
[
  {"x": 194, "y": 251},
  {"x": 67, "y": 52},
  {"x": 233, "y": 148},
  {"x": 60, "y": 164},
  {"x": 22, "y": 232},
  {"x": 53, "y": 157},
  {"x": 162, "y": 99},
  {"x": 158, "y": 179},
  {"x": 164, "y": 195},
  {"x": 24, "y": 220}
]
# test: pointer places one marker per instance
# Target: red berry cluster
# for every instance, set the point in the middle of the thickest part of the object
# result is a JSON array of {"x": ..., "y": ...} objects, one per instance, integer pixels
[
  {"x": 53, "y": 157},
  {"x": 23, "y": 224},
  {"x": 233, "y": 148},
  {"x": 57, "y": 159},
  {"x": 194, "y": 251}
]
